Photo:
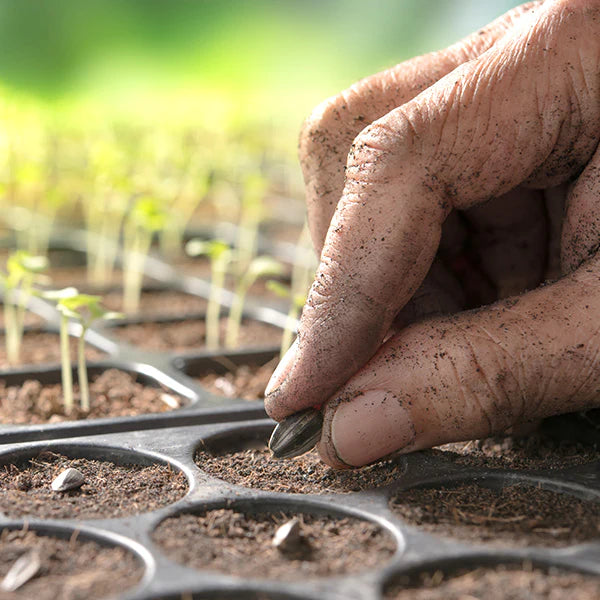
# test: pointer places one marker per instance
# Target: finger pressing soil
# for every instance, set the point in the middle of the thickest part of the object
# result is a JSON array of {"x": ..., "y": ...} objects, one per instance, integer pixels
[
  {"x": 517, "y": 515},
  {"x": 306, "y": 474},
  {"x": 113, "y": 393},
  {"x": 240, "y": 544},
  {"x": 110, "y": 490},
  {"x": 515, "y": 582},
  {"x": 69, "y": 569}
]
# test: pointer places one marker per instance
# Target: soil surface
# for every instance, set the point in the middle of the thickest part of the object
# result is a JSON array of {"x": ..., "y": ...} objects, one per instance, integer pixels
[
  {"x": 241, "y": 544},
  {"x": 159, "y": 303},
  {"x": 113, "y": 393},
  {"x": 306, "y": 474},
  {"x": 246, "y": 381},
  {"x": 40, "y": 347},
  {"x": 189, "y": 334},
  {"x": 69, "y": 569},
  {"x": 517, "y": 515},
  {"x": 497, "y": 583},
  {"x": 109, "y": 490},
  {"x": 536, "y": 451}
]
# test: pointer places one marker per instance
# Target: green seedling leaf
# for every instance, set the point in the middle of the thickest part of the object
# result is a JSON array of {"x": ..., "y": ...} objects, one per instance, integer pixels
[
  {"x": 63, "y": 294},
  {"x": 214, "y": 249},
  {"x": 278, "y": 288},
  {"x": 149, "y": 214},
  {"x": 264, "y": 266}
]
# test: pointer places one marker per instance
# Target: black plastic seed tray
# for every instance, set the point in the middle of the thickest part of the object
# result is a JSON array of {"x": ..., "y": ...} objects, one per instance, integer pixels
[{"x": 415, "y": 550}]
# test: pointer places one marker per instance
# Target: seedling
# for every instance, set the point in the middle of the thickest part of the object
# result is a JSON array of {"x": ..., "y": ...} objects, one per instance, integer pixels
[
  {"x": 296, "y": 303},
  {"x": 23, "y": 269},
  {"x": 220, "y": 255},
  {"x": 259, "y": 267},
  {"x": 84, "y": 309},
  {"x": 147, "y": 217}
]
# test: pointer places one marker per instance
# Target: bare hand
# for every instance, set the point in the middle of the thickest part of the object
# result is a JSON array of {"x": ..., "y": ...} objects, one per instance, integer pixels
[{"x": 453, "y": 170}]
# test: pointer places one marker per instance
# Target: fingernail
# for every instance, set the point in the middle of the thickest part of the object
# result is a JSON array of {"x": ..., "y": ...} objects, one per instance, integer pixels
[
  {"x": 371, "y": 426},
  {"x": 282, "y": 369}
]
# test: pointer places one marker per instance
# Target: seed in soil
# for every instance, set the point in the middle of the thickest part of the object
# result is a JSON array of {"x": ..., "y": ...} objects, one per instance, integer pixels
[
  {"x": 241, "y": 544},
  {"x": 501, "y": 582},
  {"x": 69, "y": 479},
  {"x": 244, "y": 459},
  {"x": 110, "y": 490},
  {"x": 515, "y": 515},
  {"x": 288, "y": 537},
  {"x": 114, "y": 393},
  {"x": 68, "y": 568}
]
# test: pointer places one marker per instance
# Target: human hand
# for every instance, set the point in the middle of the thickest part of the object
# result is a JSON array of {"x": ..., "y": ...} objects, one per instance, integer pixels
[{"x": 452, "y": 197}]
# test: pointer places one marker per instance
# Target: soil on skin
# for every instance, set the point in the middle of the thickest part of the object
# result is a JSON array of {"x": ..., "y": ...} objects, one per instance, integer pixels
[
  {"x": 159, "y": 303},
  {"x": 109, "y": 491},
  {"x": 190, "y": 334},
  {"x": 518, "y": 582},
  {"x": 241, "y": 545},
  {"x": 39, "y": 347},
  {"x": 532, "y": 452},
  {"x": 517, "y": 515},
  {"x": 70, "y": 569},
  {"x": 245, "y": 381},
  {"x": 113, "y": 393},
  {"x": 307, "y": 474}
]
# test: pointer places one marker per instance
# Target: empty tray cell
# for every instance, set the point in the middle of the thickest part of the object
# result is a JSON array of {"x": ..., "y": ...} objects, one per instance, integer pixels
[
  {"x": 534, "y": 452},
  {"x": 242, "y": 457},
  {"x": 159, "y": 302},
  {"x": 233, "y": 375},
  {"x": 519, "y": 581},
  {"x": 65, "y": 565},
  {"x": 238, "y": 541},
  {"x": 185, "y": 335},
  {"x": 115, "y": 483},
  {"x": 500, "y": 513}
]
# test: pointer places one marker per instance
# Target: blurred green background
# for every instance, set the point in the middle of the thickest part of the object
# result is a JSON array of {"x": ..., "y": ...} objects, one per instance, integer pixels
[{"x": 259, "y": 60}]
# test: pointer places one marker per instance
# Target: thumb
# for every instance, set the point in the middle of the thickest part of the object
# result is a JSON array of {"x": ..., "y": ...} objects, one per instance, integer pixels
[{"x": 472, "y": 375}]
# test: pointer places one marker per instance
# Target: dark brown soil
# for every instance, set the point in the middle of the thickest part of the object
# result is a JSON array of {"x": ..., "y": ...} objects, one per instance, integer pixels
[
  {"x": 518, "y": 582},
  {"x": 254, "y": 467},
  {"x": 245, "y": 381},
  {"x": 41, "y": 347},
  {"x": 113, "y": 393},
  {"x": 76, "y": 276},
  {"x": 159, "y": 303},
  {"x": 70, "y": 569},
  {"x": 533, "y": 452},
  {"x": 241, "y": 545},
  {"x": 517, "y": 515},
  {"x": 188, "y": 335},
  {"x": 109, "y": 491}
]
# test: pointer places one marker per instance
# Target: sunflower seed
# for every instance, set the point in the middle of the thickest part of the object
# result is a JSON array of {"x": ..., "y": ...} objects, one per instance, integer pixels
[
  {"x": 23, "y": 569},
  {"x": 69, "y": 479},
  {"x": 287, "y": 537},
  {"x": 296, "y": 434}
]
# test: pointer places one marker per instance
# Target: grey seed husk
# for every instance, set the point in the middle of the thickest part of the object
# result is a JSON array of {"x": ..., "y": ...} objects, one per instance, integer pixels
[
  {"x": 287, "y": 538},
  {"x": 296, "y": 434},
  {"x": 69, "y": 479},
  {"x": 23, "y": 569}
]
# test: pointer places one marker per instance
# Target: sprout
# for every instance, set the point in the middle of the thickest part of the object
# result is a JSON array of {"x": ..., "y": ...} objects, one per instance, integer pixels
[
  {"x": 23, "y": 269},
  {"x": 146, "y": 218},
  {"x": 220, "y": 255},
  {"x": 261, "y": 266},
  {"x": 296, "y": 304},
  {"x": 84, "y": 309}
]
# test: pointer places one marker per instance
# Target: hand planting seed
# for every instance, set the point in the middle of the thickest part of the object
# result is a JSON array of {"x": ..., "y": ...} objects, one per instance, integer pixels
[
  {"x": 296, "y": 434},
  {"x": 69, "y": 479},
  {"x": 23, "y": 569},
  {"x": 288, "y": 537}
]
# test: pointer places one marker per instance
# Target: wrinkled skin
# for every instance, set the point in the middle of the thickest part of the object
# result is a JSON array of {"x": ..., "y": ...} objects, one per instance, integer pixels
[{"x": 438, "y": 193}]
